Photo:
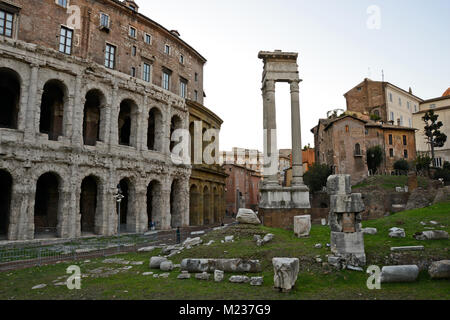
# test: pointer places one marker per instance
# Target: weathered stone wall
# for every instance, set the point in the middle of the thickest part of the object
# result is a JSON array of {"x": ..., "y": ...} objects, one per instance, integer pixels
[{"x": 27, "y": 154}]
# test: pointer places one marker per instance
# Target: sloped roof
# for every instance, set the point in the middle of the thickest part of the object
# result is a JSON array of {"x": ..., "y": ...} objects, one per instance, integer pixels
[{"x": 446, "y": 93}]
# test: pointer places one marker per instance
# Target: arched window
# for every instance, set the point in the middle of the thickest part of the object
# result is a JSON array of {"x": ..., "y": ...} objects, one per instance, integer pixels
[
  {"x": 357, "y": 149},
  {"x": 10, "y": 96},
  {"x": 155, "y": 130},
  {"x": 91, "y": 120},
  {"x": 127, "y": 123},
  {"x": 46, "y": 205},
  {"x": 52, "y": 109},
  {"x": 175, "y": 124}
]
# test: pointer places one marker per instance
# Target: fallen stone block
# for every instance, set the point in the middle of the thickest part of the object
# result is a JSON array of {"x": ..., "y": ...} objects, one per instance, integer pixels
[
  {"x": 267, "y": 238},
  {"x": 197, "y": 233},
  {"x": 239, "y": 279},
  {"x": 407, "y": 273},
  {"x": 247, "y": 216},
  {"x": 209, "y": 243},
  {"x": 285, "y": 273},
  {"x": 219, "y": 275},
  {"x": 256, "y": 281},
  {"x": 411, "y": 248},
  {"x": 169, "y": 249},
  {"x": 397, "y": 233},
  {"x": 431, "y": 235},
  {"x": 184, "y": 276},
  {"x": 229, "y": 239},
  {"x": 155, "y": 262},
  {"x": 166, "y": 266},
  {"x": 318, "y": 246},
  {"x": 302, "y": 226},
  {"x": 147, "y": 273},
  {"x": 371, "y": 231},
  {"x": 39, "y": 286},
  {"x": 146, "y": 249},
  {"x": 116, "y": 261},
  {"x": 440, "y": 270},
  {"x": 164, "y": 275},
  {"x": 226, "y": 265},
  {"x": 192, "y": 242},
  {"x": 202, "y": 276}
]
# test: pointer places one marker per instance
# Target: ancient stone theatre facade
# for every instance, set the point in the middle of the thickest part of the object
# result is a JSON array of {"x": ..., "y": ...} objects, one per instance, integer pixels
[{"x": 91, "y": 93}]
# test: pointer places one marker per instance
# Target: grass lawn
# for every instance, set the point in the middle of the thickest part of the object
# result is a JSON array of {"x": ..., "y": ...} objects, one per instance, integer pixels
[
  {"x": 315, "y": 280},
  {"x": 390, "y": 182}
]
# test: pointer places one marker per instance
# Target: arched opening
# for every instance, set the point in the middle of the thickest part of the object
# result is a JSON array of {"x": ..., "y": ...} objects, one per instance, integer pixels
[
  {"x": 5, "y": 201},
  {"x": 206, "y": 206},
  {"x": 154, "y": 204},
  {"x": 127, "y": 123},
  {"x": 194, "y": 203},
  {"x": 216, "y": 206},
  {"x": 52, "y": 109},
  {"x": 175, "y": 124},
  {"x": 192, "y": 141},
  {"x": 88, "y": 204},
  {"x": 176, "y": 202},
  {"x": 125, "y": 185},
  {"x": 10, "y": 95},
  {"x": 155, "y": 130},
  {"x": 46, "y": 206},
  {"x": 357, "y": 149},
  {"x": 377, "y": 113},
  {"x": 91, "y": 120}
]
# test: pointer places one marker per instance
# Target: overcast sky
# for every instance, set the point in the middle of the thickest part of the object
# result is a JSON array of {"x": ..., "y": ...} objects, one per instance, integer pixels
[{"x": 337, "y": 50}]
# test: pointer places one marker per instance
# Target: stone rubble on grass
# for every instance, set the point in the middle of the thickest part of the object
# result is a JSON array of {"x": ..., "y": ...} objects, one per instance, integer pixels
[
  {"x": 285, "y": 273},
  {"x": 267, "y": 238},
  {"x": 147, "y": 273},
  {"x": 397, "y": 233},
  {"x": 407, "y": 273},
  {"x": 302, "y": 226},
  {"x": 247, "y": 216},
  {"x": 209, "y": 243},
  {"x": 423, "y": 223},
  {"x": 39, "y": 286},
  {"x": 116, "y": 261},
  {"x": 184, "y": 275},
  {"x": 137, "y": 263},
  {"x": 229, "y": 239},
  {"x": 192, "y": 242},
  {"x": 431, "y": 235},
  {"x": 127, "y": 268},
  {"x": 434, "y": 223},
  {"x": 169, "y": 249},
  {"x": 175, "y": 266},
  {"x": 60, "y": 284},
  {"x": 164, "y": 275},
  {"x": 440, "y": 269},
  {"x": 202, "y": 276},
  {"x": 146, "y": 249},
  {"x": 323, "y": 222},
  {"x": 218, "y": 228},
  {"x": 319, "y": 260},
  {"x": 318, "y": 246},
  {"x": 197, "y": 233},
  {"x": 218, "y": 275},
  {"x": 353, "y": 268},
  {"x": 156, "y": 276},
  {"x": 166, "y": 265},
  {"x": 256, "y": 237},
  {"x": 371, "y": 231},
  {"x": 239, "y": 279},
  {"x": 155, "y": 262},
  {"x": 410, "y": 248},
  {"x": 226, "y": 265},
  {"x": 150, "y": 233},
  {"x": 256, "y": 281},
  {"x": 174, "y": 253}
]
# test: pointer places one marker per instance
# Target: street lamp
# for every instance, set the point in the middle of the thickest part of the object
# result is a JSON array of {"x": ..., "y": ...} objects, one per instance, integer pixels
[{"x": 119, "y": 196}]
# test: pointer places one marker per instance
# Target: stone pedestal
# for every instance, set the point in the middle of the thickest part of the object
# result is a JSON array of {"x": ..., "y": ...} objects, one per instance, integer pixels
[
  {"x": 302, "y": 226},
  {"x": 285, "y": 273}
]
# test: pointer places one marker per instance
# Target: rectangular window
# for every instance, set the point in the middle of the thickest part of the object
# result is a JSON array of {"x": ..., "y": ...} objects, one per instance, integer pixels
[
  {"x": 408, "y": 105},
  {"x": 390, "y": 97},
  {"x": 104, "y": 20},
  {"x": 110, "y": 56},
  {"x": 183, "y": 88},
  {"x": 166, "y": 80},
  {"x": 196, "y": 77},
  {"x": 399, "y": 101},
  {"x": 196, "y": 95},
  {"x": 148, "y": 38},
  {"x": 401, "y": 120},
  {"x": 405, "y": 141},
  {"x": 6, "y": 23},
  {"x": 167, "y": 49},
  {"x": 391, "y": 153},
  {"x": 415, "y": 108},
  {"x": 146, "y": 72},
  {"x": 65, "y": 40},
  {"x": 392, "y": 116},
  {"x": 405, "y": 154},
  {"x": 133, "y": 72},
  {"x": 132, "y": 32},
  {"x": 181, "y": 59},
  {"x": 133, "y": 51},
  {"x": 390, "y": 139},
  {"x": 62, "y": 3},
  {"x": 410, "y": 122}
]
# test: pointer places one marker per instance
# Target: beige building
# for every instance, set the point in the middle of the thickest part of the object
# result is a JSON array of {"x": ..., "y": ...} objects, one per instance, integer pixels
[{"x": 441, "y": 106}]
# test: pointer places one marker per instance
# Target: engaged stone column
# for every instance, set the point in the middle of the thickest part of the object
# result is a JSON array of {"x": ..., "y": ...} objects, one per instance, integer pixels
[
  {"x": 30, "y": 122},
  {"x": 297, "y": 161},
  {"x": 270, "y": 135}
]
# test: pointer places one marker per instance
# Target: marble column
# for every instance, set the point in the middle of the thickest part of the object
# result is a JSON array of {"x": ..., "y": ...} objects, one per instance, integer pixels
[
  {"x": 270, "y": 135},
  {"x": 297, "y": 159}
]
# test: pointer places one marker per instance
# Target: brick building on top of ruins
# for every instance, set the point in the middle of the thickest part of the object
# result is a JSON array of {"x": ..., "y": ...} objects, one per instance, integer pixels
[{"x": 91, "y": 94}]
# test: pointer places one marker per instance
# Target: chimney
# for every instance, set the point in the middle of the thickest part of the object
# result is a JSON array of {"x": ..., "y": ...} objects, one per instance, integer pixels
[
  {"x": 410, "y": 90},
  {"x": 175, "y": 32},
  {"x": 398, "y": 122}
]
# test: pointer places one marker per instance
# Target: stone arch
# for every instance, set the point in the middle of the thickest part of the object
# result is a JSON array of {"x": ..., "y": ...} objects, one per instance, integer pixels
[
  {"x": 47, "y": 205},
  {"x": 155, "y": 131},
  {"x": 6, "y": 184},
  {"x": 10, "y": 87},
  {"x": 216, "y": 206},
  {"x": 154, "y": 203},
  {"x": 127, "y": 123},
  {"x": 176, "y": 203},
  {"x": 54, "y": 100},
  {"x": 95, "y": 100},
  {"x": 194, "y": 206},
  {"x": 175, "y": 124},
  {"x": 127, "y": 214},
  {"x": 206, "y": 205},
  {"x": 91, "y": 204}
]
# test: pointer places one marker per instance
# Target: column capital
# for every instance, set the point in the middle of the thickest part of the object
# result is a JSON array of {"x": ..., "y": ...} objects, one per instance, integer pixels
[
  {"x": 269, "y": 86},
  {"x": 294, "y": 84}
]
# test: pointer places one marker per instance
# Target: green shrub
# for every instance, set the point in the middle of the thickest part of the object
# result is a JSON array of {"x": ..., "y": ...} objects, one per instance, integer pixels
[
  {"x": 402, "y": 166},
  {"x": 374, "y": 158},
  {"x": 316, "y": 177},
  {"x": 423, "y": 163},
  {"x": 442, "y": 174}
]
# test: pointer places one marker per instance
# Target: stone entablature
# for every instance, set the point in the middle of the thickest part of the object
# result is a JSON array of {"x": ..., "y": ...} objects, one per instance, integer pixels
[{"x": 27, "y": 154}]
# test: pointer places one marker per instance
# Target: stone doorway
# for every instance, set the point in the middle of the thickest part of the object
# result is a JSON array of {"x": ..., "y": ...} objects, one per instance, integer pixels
[
  {"x": 5, "y": 202},
  {"x": 154, "y": 203},
  {"x": 176, "y": 202},
  {"x": 88, "y": 204},
  {"x": 91, "y": 120},
  {"x": 206, "y": 204},
  {"x": 46, "y": 206},
  {"x": 155, "y": 130},
  {"x": 194, "y": 203},
  {"x": 125, "y": 185},
  {"x": 10, "y": 94}
]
